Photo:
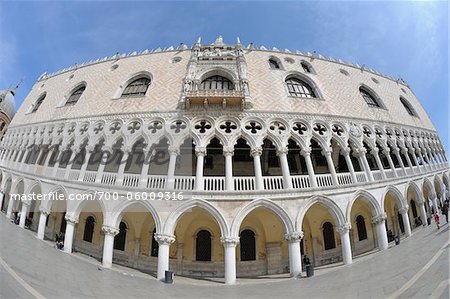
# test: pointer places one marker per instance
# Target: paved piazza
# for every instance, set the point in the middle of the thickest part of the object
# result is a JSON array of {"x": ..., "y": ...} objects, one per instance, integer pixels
[{"x": 417, "y": 268}]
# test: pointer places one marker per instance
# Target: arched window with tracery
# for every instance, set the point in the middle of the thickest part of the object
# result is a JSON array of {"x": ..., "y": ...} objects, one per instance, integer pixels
[
  {"x": 328, "y": 236},
  {"x": 137, "y": 88},
  {"x": 75, "y": 96},
  {"x": 369, "y": 98},
  {"x": 299, "y": 88},
  {"x": 248, "y": 245},
  {"x": 216, "y": 83},
  {"x": 121, "y": 237},
  {"x": 155, "y": 245},
  {"x": 408, "y": 107},
  {"x": 203, "y": 246},
  {"x": 38, "y": 103},
  {"x": 89, "y": 229},
  {"x": 361, "y": 226}
]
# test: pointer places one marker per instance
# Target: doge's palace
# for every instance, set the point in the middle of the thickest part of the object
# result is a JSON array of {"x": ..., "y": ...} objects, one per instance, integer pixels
[{"x": 222, "y": 160}]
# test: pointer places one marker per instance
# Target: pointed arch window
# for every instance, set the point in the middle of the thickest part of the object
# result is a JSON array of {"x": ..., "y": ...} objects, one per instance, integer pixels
[
  {"x": 89, "y": 229},
  {"x": 38, "y": 103},
  {"x": 408, "y": 107},
  {"x": 248, "y": 245},
  {"x": 120, "y": 239},
  {"x": 361, "y": 226},
  {"x": 369, "y": 98},
  {"x": 203, "y": 246},
  {"x": 136, "y": 88},
  {"x": 155, "y": 245},
  {"x": 299, "y": 88},
  {"x": 216, "y": 83},
  {"x": 75, "y": 96},
  {"x": 328, "y": 236}
]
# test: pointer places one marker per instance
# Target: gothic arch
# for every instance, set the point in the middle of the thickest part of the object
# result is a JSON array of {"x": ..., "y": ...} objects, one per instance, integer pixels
[
  {"x": 367, "y": 197},
  {"x": 172, "y": 220},
  {"x": 325, "y": 201},
  {"x": 116, "y": 214},
  {"x": 265, "y": 203},
  {"x": 400, "y": 199}
]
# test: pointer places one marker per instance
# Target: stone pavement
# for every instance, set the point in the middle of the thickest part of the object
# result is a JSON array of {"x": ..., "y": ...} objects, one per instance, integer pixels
[{"x": 417, "y": 268}]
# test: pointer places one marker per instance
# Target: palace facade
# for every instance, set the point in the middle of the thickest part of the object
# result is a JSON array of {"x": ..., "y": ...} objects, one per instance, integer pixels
[{"x": 222, "y": 160}]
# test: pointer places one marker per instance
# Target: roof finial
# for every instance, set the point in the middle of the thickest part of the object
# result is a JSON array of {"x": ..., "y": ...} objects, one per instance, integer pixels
[
  {"x": 219, "y": 40},
  {"x": 199, "y": 40},
  {"x": 238, "y": 41},
  {"x": 17, "y": 86}
]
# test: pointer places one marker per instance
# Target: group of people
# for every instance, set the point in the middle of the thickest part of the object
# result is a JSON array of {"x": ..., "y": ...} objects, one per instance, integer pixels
[
  {"x": 444, "y": 210},
  {"x": 16, "y": 219},
  {"x": 59, "y": 239}
]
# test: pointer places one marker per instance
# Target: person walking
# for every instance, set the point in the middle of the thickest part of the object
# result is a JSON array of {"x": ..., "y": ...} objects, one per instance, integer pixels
[
  {"x": 445, "y": 210},
  {"x": 436, "y": 219}
]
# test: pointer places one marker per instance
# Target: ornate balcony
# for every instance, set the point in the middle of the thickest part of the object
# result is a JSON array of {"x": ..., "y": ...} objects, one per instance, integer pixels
[{"x": 214, "y": 97}]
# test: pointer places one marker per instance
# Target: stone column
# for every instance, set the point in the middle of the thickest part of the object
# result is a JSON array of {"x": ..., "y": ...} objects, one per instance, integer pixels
[
  {"x": 346, "y": 153},
  {"x": 295, "y": 260},
  {"x": 24, "y": 213},
  {"x": 408, "y": 160},
  {"x": 380, "y": 227},
  {"x": 404, "y": 212},
  {"x": 89, "y": 150},
  {"x": 49, "y": 155},
  {"x": 230, "y": 243},
  {"x": 423, "y": 212},
  {"x": 363, "y": 161},
  {"x": 228, "y": 153},
  {"x": 56, "y": 166},
  {"x": 346, "y": 246},
  {"x": 173, "y": 152},
  {"x": 144, "y": 171},
  {"x": 42, "y": 220},
  {"x": 164, "y": 242},
  {"x": 68, "y": 235},
  {"x": 306, "y": 153},
  {"x": 1, "y": 199},
  {"x": 282, "y": 155},
  {"x": 75, "y": 151},
  {"x": 374, "y": 153},
  {"x": 424, "y": 160},
  {"x": 200, "y": 152},
  {"x": 396, "y": 151},
  {"x": 386, "y": 152},
  {"x": 10, "y": 207},
  {"x": 256, "y": 154},
  {"x": 108, "y": 245},
  {"x": 327, "y": 154},
  {"x": 101, "y": 166},
  {"x": 123, "y": 163}
]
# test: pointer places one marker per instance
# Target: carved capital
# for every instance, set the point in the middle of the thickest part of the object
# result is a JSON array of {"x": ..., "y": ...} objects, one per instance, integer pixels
[
  {"x": 305, "y": 152},
  {"x": 374, "y": 151},
  {"x": 282, "y": 151},
  {"x": 174, "y": 150},
  {"x": 404, "y": 209},
  {"x": 294, "y": 237},
  {"x": 346, "y": 151},
  {"x": 200, "y": 151},
  {"x": 256, "y": 152},
  {"x": 228, "y": 151},
  {"x": 343, "y": 229},
  {"x": 327, "y": 151},
  {"x": 44, "y": 211},
  {"x": 379, "y": 218},
  {"x": 229, "y": 241},
  {"x": 109, "y": 230},
  {"x": 71, "y": 219},
  {"x": 164, "y": 239}
]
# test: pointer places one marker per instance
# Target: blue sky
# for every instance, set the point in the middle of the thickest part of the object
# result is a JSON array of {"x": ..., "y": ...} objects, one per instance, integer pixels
[{"x": 406, "y": 39}]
